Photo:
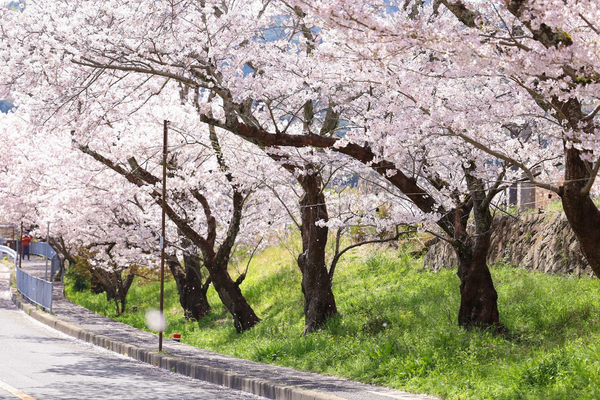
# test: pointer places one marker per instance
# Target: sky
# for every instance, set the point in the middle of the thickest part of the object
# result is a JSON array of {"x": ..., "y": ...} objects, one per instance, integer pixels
[{"x": 5, "y": 106}]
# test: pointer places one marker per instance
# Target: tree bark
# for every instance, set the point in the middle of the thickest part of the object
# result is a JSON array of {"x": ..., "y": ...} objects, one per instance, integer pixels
[
  {"x": 478, "y": 297},
  {"x": 191, "y": 288},
  {"x": 123, "y": 289},
  {"x": 580, "y": 210},
  {"x": 230, "y": 294},
  {"x": 113, "y": 284},
  {"x": 319, "y": 301}
]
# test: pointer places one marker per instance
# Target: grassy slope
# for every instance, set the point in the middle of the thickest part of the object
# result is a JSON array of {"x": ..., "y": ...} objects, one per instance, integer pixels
[{"x": 397, "y": 328}]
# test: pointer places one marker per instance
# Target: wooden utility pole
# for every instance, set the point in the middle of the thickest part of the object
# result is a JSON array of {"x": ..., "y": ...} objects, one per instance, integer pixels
[
  {"x": 162, "y": 238},
  {"x": 20, "y": 245},
  {"x": 47, "y": 248}
]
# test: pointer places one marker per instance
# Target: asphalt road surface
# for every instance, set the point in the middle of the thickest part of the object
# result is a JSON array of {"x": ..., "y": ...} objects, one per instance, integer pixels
[{"x": 39, "y": 363}]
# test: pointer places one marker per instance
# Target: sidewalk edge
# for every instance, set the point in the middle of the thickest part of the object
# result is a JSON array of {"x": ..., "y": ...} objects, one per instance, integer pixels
[{"x": 221, "y": 377}]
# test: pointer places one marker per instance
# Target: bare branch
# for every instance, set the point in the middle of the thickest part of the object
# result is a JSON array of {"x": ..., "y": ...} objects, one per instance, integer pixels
[
  {"x": 508, "y": 159},
  {"x": 591, "y": 115},
  {"x": 593, "y": 175},
  {"x": 337, "y": 256},
  {"x": 241, "y": 278}
]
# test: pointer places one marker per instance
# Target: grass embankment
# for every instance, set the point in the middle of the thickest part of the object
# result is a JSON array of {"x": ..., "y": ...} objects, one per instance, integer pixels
[{"x": 397, "y": 328}]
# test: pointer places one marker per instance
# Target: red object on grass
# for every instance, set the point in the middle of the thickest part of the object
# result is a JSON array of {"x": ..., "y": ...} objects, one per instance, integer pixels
[{"x": 176, "y": 337}]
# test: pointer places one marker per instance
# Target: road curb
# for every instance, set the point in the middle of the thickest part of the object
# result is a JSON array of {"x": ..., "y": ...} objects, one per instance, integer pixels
[{"x": 221, "y": 377}]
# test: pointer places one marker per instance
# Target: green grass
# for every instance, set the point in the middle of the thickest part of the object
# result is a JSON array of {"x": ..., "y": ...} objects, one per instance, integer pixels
[{"x": 397, "y": 328}]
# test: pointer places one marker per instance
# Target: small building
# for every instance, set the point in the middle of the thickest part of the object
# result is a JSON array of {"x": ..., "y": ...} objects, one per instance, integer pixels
[{"x": 526, "y": 196}]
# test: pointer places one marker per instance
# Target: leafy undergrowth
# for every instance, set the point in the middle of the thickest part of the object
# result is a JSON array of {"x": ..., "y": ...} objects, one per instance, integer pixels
[{"x": 397, "y": 328}]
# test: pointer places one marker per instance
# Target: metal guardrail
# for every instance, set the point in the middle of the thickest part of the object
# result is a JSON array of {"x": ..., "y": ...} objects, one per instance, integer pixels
[
  {"x": 8, "y": 252},
  {"x": 44, "y": 250},
  {"x": 37, "y": 290}
]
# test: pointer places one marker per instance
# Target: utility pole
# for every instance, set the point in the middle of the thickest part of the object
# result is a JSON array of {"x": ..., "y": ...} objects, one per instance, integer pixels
[
  {"x": 47, "y": 248},
  {"x": 20, "y": 244},
  {"x": 162, "y": 238}
]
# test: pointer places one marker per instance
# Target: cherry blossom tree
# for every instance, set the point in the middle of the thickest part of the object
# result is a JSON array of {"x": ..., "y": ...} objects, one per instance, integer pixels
[
  {"x": 419, "y": 62},
  {"x": 547, "y": 52},
  {"x": 188, "y": 203},
  {"x": 98, "y": 213},
  {"x": 531, "y": 73},
  {"x": 312, "y": 260},
  {"x": 84, "y": 213},
  {"x": 323, "y": 177},
  {"x": 405, "y": 148},
  {"x": 16, "y": 161},
  {"x": 260, "y": 70}
]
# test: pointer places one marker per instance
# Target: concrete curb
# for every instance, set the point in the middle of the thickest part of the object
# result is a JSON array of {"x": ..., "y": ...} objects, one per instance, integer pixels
[{"x": 257, "y": 386}]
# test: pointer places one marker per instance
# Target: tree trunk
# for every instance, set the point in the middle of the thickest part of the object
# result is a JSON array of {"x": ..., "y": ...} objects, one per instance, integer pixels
[
  {"x": 63, "y": 253},
  {"x": 478, "y": 297},
  {"x": 319, "y": 301},
  {"x": 230, "y": 294},
  {"x": 191, "y": 289},
  {"x": 123, "y": 288},
  {"x": 112, "y": 283},
  {"x": 580, "y": 210}
]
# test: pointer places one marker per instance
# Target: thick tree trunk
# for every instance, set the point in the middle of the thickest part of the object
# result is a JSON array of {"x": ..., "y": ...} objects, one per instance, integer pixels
[
  {"x": 319, "y": 301},
  {"x": 580, "y": 210},
  {"x": 478, "y": 297},
  {"x": 230, "y": 294},
  {"x": 191, "y": 288}
]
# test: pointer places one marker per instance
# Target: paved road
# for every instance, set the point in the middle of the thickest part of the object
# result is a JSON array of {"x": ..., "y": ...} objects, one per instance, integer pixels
[{"x": 37, "y": 362}]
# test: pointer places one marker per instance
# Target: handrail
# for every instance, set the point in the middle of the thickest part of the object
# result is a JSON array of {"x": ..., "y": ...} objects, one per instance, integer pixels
[
  {"x": 37, "y": 290},
  {"x": 9, "y": 252}
]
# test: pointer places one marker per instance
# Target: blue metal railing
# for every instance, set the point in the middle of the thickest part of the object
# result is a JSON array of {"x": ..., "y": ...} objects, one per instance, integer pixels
[
  {"x": 44, "y": 250},
  {"x": 37, "y": 290}
]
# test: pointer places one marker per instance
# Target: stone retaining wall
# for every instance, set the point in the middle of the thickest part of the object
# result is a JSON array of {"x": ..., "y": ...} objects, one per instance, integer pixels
[{"x": 539, "y": 242}]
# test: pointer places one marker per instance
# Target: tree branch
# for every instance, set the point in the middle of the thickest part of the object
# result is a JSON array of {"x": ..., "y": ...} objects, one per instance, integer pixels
[
  {"x": 337, "y": 256},
  {"x": 509, "y": 160}
]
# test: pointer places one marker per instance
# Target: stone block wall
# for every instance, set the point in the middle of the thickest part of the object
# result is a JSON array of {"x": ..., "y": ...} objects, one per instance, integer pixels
[{"x": 539, "y": 242}]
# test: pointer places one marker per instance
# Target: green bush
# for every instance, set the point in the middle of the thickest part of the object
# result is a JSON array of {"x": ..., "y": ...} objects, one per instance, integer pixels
[{"x": 79, "y": 276}]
